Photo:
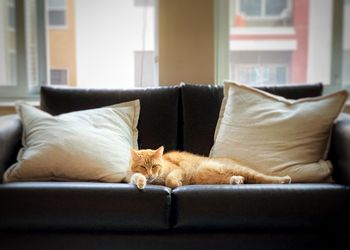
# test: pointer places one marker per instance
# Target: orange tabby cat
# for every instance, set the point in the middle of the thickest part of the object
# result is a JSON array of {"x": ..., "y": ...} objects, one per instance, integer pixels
[{"x": 175, "y": 169}]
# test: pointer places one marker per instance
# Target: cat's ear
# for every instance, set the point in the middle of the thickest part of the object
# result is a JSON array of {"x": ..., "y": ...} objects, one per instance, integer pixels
[
  {"x": 134, "y": 155},
  {"x": 159, "y": 152}
]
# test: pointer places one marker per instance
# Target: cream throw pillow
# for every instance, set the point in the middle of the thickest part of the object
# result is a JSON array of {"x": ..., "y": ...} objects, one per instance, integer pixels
[
  {"x": 277, "y": 136},
  {"x": 88, "y": 145}
]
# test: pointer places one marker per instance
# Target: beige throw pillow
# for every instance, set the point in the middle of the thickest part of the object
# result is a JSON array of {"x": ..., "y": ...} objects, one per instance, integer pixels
[
  {"x": 89, "y": 145},
  {"x": 277, "y": 136}
]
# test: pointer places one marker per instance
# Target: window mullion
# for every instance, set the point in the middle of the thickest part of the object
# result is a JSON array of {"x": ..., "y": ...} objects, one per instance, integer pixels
[{"x": 263, "y": 8}]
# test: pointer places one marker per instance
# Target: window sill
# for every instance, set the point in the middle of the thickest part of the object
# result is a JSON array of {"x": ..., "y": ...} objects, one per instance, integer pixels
[{"x": 12, "y": 104}]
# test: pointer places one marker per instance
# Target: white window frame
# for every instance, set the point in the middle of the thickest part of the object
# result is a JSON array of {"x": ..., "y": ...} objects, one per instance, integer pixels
[
  {"x": 64, "y": 9},
  {"x": 263, "y": 15},
  {"x": 62, "y": 69},
  {"x": 222, "y": 40}
]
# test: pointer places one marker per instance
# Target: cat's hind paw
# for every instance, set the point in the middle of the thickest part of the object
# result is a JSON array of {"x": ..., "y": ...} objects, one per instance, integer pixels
[
  {"x": 173, "y": 183},
  {"x": 234, "y": 180},
  {"x": 286, "y": 180}
]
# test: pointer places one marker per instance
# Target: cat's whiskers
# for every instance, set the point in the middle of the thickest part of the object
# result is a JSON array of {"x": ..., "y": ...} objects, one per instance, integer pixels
[{"x": 151, "y": 179}]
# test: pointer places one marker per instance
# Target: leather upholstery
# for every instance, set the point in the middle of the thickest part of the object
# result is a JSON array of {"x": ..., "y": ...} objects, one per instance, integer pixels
[
  {"x": 83, "y": 206},
  {"x": 340, "y": 149},
  {"x": 10, "y": 141},
  {"x": 158, "y": 122},
  {"x": 295, "y": 206},
  {"x": 201, "y": 106},
  {"x": 330, "y": 239}
]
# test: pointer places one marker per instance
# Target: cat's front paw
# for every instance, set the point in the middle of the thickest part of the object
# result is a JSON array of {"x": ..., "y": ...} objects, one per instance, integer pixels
[
  {"x": 141, "y": 182},
  {"x": 236, "y": 180},
  {"x": 286, "y": 180}
]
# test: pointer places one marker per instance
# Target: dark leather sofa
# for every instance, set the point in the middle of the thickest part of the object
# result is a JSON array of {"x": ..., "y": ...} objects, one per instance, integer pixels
[{"x": 64, "y": 215}]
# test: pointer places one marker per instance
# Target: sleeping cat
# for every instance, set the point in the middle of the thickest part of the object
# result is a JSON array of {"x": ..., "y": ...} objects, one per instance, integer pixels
[{"x": 175, "y": 169}]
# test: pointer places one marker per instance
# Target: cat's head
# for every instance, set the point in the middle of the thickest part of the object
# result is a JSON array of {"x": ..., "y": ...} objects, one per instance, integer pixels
[{"x": 147, "y": 162}]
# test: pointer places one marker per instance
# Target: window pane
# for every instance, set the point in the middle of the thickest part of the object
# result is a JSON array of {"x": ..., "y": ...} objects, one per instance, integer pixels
[
  {"x": 59, "y": 76},
  {"x": 250, "y": 7},
  {"x": 8, "y": 47},
  {"x": 57, "y": 18},
  {"x": 281, "y": 75},
  {"x": 144, "y": 68},
  {"x": 260, "y": 67},
  {"x": 276, "y": 7}
]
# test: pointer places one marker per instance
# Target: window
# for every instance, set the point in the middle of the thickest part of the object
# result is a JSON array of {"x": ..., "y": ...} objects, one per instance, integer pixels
[
  {"x": 59, "y": 76},
  {"x": 263, "y": 9},
  {"x": 284, "y": 42},
  {"x": 117, "y": 50},
  {"x": 57, "y": 13},
  {"x": 260, "y": 67}
]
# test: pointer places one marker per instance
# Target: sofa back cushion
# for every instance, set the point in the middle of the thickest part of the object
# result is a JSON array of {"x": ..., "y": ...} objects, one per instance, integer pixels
[
  {"x": 158, "y": 122},
  {"x": 201, "y": 106}
]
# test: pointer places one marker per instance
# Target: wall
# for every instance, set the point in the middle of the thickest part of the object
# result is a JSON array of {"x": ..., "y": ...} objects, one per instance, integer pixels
[
  {"x": 7, "y": 110},
  {"x": 62, "y": 46},
  {"x": 186, "y": 41}
]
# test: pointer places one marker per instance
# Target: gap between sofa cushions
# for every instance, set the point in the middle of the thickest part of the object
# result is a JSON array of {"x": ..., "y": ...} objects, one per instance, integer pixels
[
  {"x": 277, "y": 136},
  {"x": 88, "y": 145}
]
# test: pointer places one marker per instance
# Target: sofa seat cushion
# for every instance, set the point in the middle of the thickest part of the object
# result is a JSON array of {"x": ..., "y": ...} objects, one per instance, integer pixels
[
  {"x": 83, "y": 206},
  {"x": 259, "y": 207}
]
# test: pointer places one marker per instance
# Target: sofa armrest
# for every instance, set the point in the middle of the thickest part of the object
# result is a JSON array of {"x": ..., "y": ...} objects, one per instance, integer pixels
[
  {"x": 10, "y": 141},
  {"x": 340, "y": 149}
]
